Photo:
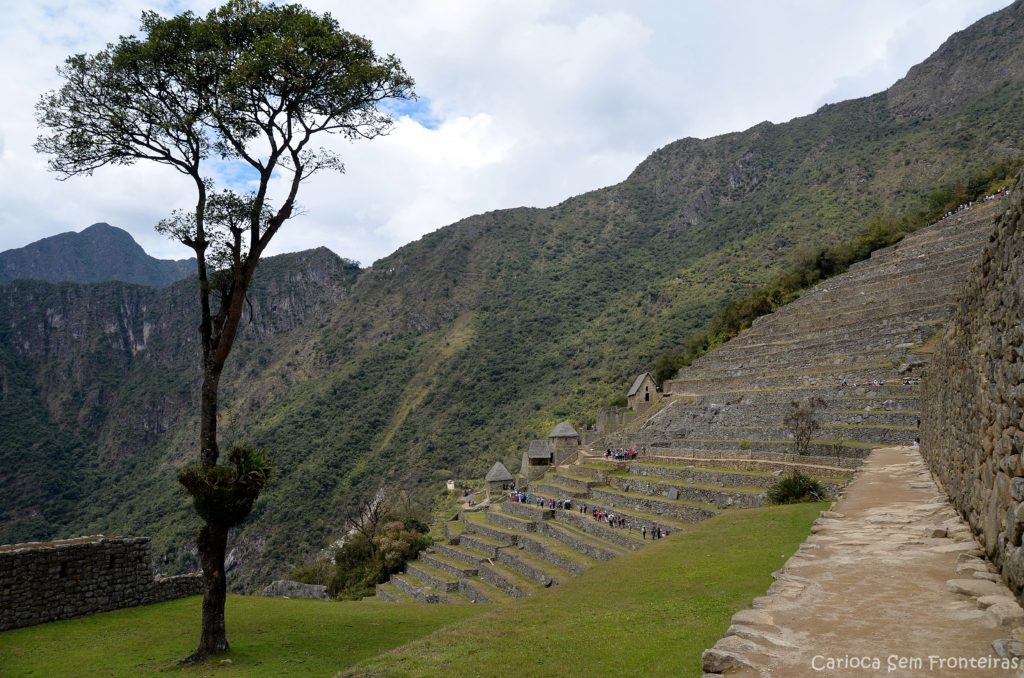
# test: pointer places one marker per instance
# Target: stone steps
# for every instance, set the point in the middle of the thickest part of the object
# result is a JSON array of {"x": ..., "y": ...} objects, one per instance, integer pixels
[
  {"x": 431, "y": 576},
  {"x": 825, "y": 452},
  {"x": 571, "y": 482},
  {"x": 416, "y": 589},
  {"x": 557, "y": 490},
  {"x": 704, "y": 475},
  {"x": 450, "y": 566},
  {"x": 760, "y": 465},
  {"x": 490, "y": 570},
  {"x": 593, "y": 546},
  {"x": 635, "y": 517},
  {"x": 872, "y": 434},
  {"x": 530, "y": 567},
  {"x": 541, "y": 546},
  {"x": 389, "y": 593},
  {"x": 691, "y": 512},
  {"x": 719, "y": 497},
  {"x": 582, "y": 522},
  {"x": 481, "y": 591}
]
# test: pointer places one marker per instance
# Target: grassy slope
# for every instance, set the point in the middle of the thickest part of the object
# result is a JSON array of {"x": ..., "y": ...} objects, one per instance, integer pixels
[
  {"x": 269, "y": 637},
  {"x": 648, "y": 613}
]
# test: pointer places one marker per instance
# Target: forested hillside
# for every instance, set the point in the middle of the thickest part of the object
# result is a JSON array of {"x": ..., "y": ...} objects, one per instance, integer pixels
[{"x": 456, "y": 349}]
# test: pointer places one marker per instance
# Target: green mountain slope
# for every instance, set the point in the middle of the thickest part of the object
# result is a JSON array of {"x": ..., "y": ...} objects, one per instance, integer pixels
[{"x": 458, "y": 348}]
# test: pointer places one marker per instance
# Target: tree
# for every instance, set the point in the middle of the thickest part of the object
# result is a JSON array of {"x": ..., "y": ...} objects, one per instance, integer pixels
[
  {"x": 252, "y": 85},
  {"x": 801, "y": 421}
]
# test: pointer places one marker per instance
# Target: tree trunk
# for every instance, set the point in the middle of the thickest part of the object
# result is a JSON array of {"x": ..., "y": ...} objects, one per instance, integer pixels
[
  {"x": 208, "y": 449},
  {"x": 213, "y": 639}
]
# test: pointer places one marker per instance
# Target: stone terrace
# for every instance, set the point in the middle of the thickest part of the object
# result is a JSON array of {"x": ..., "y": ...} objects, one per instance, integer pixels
[
  {"x": 512, "y": 549},
  {"x": 874, "y": 324},
  {"x": 719, "y": 444}
]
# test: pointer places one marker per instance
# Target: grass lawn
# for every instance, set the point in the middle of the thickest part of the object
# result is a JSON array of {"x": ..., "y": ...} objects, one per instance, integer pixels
[
  {"x": 649, "y": 613},
  {"x": 268, "y": 636}
]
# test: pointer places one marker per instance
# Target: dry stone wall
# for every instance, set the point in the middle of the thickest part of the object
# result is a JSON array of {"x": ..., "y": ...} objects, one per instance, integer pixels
[
  {"x": 59, "y": 580},
  {"x": 973, "y": 398}
]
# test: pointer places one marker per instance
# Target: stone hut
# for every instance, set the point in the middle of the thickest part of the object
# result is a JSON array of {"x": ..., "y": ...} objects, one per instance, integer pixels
[
  {"x": 642, "y": 392},
  {"x": 499, "y": 480},
  {"x": 564, "y": 439},
  {"x": 537, "y": 458}
]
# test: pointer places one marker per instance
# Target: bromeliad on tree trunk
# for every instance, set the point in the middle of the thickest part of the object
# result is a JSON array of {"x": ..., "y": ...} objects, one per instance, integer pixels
[{"x": 249, "y": 84}]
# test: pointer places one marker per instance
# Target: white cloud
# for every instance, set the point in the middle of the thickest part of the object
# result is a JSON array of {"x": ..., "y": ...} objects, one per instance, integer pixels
[{"x": 530, "y": 102}]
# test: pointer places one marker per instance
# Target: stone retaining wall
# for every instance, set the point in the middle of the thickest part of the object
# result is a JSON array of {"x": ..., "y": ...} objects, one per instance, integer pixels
[
  {"x": 586, "y": 523},
  {"x": 720, "y": 498},
  {"x": 973, "y": 398},
  {"x": 575, "y": 543},
  {"x": 59, "y": 580},
  {"x": 509, "y": 558},
  {"x": 653, "y": 505}
]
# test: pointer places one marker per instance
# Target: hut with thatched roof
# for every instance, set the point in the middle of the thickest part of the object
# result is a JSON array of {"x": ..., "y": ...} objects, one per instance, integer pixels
[
  {"x": 565, "y": 440},
  {"x": 499, "y": 480}
]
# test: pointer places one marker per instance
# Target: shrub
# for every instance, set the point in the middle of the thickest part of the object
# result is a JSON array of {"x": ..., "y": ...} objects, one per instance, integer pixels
[
  {"x": 796, "y": 487},
  {"x": 802, "y": 422},
  {"x": 744, "y": 444}
]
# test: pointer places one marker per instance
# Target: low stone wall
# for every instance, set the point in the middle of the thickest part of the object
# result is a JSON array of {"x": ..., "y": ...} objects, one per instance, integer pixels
[
  {"x": 720, "y": 498},
  {"x": 510, "y": 558},
  {"x": 492, "y": 576},
  {"x": 693, "y": 474},
  {"x": 575, "y": 543},
  {"x": 586, "y": 523},
  {"x": 510, "y": 522},
  {"x": 973, "y": 399},
  {"x": 544, "y": 552},
  {"x": 649, "y": 504},
  {"x": 58, "y": 580}
]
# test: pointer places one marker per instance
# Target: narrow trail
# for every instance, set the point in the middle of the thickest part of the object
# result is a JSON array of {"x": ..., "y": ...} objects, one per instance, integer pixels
[{"x": 891, "y": 574}]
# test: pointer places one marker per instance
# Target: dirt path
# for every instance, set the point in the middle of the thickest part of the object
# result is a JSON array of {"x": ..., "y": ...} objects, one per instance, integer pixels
[{"x": 890, "y": 575}]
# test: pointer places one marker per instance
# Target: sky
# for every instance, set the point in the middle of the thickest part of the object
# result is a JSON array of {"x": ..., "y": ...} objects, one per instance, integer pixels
[{"x": 522, "y": 103}]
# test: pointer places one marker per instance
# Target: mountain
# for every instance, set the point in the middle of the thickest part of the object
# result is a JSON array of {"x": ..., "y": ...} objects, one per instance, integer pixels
[
  {"x": 458, "y": 348},
  {"x": 100, "y": 252}
]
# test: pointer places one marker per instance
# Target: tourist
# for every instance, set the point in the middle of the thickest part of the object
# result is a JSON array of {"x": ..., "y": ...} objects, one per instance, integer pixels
[{"x": 643, "y": 530}]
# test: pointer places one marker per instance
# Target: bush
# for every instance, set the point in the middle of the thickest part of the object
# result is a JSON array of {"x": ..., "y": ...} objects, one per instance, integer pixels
[
  {"x": 796, "y": 487},
  {"x": 362, "y": 563}
]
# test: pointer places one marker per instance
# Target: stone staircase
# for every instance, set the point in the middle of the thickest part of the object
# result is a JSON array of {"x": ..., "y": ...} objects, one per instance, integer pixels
[{"x": 719, "y": 443}]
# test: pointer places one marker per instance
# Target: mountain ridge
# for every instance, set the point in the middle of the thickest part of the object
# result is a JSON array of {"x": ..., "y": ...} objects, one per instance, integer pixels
[
  {"x": 455, "y": 350},
  {"x": 98, "y": 253}
]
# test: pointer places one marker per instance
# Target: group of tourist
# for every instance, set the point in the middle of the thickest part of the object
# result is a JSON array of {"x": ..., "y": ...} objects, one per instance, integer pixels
[
  {"x": 620, "y": 454},
  {"x": 970, "y": 203},
  {"x": 521, "y": 497},
  {"x": 621, "y": 522}
]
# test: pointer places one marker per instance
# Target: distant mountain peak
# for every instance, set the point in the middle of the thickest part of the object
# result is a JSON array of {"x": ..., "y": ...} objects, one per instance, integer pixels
[{"x": 98, "y": 253}]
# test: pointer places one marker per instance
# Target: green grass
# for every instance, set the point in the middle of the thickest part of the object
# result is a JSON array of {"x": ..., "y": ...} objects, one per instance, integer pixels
[
  {"x": 652, "y": 612},
  {"x": 268, "y": 636}
]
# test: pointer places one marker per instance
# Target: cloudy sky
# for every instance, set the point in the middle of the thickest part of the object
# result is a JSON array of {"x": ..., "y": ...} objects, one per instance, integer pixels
[{"x": 523, "y": 102}]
